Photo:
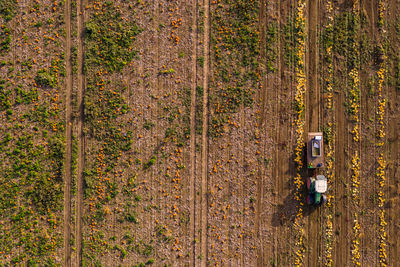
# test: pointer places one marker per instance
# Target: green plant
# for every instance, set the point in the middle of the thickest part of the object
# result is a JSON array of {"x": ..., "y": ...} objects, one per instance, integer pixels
[
  {"x": 131, "y": 217},
  {"x": 200, "y": 60},
  {"x": 45, "y": 79},
  {"x": 167, "y": 71},
  {"x": 150, "y": 261},
  {"x": 150, "y": 163},
  {"x": 148, "y": 125}
]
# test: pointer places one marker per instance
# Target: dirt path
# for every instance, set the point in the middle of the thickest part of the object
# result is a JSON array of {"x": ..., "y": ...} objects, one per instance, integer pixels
[
  {"x": 341, "y": 218},
  {"x": 80, "y": 136},
  {"x": 312, "y": 123},
  {"x": 193, "y": 136},
  {"x": 340, "y": 209},
  {"x": 369, "y": 184},
  {"x": 312, "y": 98},
  {"x": 393, "y": 143},
  {"x": 283, "y": 166},
  {"x": 275, "y": 134},
  {"x": 260, "y": 185},
  {"x": 68, "y": 137},
  {"x": 204, "y": 149}
]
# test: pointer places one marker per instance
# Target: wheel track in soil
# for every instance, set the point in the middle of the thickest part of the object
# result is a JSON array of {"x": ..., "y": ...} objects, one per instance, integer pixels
[
  {"x": 192, "y": 195},
  {"x": 313, "y": 121},
  {"x": 342, "y": 214},
  {"x": 283, "y": 170},
  {"x": 393, "y": 155},
  {"x": 369, "y": 240},
  {"x": 264, "y": 233},
  {"x": 340, "y": 173},
  {"x": 242, "y": 173},
  {"x": 259, "y": 203},
  {"x": 275, "y": 133},
  {"x": 158, "y": 193},
  {"x": 80, "y": 134},
  {"x": 204, "y": 149},
  {"x": 68, "y": 137}
]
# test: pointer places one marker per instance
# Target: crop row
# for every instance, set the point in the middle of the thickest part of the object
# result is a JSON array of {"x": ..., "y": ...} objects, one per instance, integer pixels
[
  {"x": 354, "y": 97},
  {"x": 380, "y": 171},
  {"x": 299, "y": 126},
  {"x": 329, "y": 133}
]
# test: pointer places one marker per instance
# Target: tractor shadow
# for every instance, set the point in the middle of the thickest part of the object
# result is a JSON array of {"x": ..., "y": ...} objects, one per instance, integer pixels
[{"x": 286, "y": 211}]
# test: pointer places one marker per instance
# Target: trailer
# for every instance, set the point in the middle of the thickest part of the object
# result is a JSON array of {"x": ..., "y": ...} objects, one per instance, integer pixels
[{"x": 315, "y": 150}]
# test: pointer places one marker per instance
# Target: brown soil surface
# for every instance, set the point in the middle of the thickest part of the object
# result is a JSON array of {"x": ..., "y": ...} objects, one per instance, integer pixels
[{"x": 178, "y": 143}]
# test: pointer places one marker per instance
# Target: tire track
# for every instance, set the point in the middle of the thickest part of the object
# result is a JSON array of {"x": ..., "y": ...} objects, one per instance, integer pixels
[
  {"x": 342, "y": 213},
  {"x": 284, "y": 167},
  {"x": 393, "y": 155},
  {"x": 269, "y": 117},
  {"x": 193, "y": 138},
  {"x": 80, "y": 134},
  {"x": 260, "y": 184},
  {"x": 368, "y": 241},
  {"x": 312, "y": 122},
  {"x": 275, "y": 133},
  {"x": 68, "y": 137},
  {"x": 340, "y": 173},
  {"x": 241, "y": 194},
  {"x": 204, "y": 149}
]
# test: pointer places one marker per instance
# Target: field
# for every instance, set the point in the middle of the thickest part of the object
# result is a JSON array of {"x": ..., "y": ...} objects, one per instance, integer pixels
[{"x": 172, "y": 133}]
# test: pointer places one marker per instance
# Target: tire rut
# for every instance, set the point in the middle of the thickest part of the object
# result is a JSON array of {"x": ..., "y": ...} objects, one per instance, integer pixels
[
  {"x": 80, "y": 134},
  {"x": 204, "y": 149},
  {"x": 68, "y": 137},
  {"x": 260, "y": 185},
  {"x": 193, "y": 138},
  {"x": 312, "y": 122}
]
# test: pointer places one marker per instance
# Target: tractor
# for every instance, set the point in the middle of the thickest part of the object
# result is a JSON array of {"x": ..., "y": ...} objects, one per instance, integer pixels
[
  {"x": 316, "y": 190},
  {"x": 316, "y": 185}
]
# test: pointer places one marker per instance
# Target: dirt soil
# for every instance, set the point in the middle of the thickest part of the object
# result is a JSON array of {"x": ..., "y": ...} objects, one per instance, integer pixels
[{"x": 166, "y": 132}]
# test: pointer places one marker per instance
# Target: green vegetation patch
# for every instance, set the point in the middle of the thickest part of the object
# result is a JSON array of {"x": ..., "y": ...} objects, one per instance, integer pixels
[
  {"x": 45, "y": 79},
  {"x": 236, "y": 47},
  {"x": 8, "y": 9},
  {"x": 109, "y": 39},
  {"x": 5, "y": 39}
]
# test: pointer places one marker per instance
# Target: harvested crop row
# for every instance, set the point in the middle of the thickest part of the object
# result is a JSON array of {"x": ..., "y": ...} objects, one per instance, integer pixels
[
  {"x": 137, "y": 128},
  {"x": 109, "y": 38},
  {"x": 235, "y": 139}
]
